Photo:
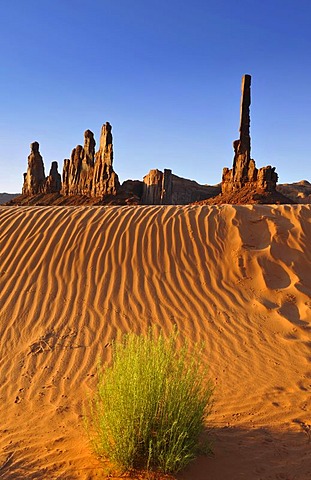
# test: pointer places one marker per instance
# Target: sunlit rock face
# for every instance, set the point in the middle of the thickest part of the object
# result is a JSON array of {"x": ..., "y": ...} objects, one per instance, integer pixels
[
  {"x": 105, "y": 180},
  {"x": 34, "y": 178},
  {"x": 90, "y": 174}
]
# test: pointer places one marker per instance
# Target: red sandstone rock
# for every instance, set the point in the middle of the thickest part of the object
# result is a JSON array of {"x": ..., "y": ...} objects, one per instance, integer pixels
[
  {"x": 82, "y": 175},
  {"x": 53, "y": 182},
  {"x": 65, "y": 182},
  {"x": 75, "y": 165},
  {"x": 34, "y": 178},
  {"x": 153, "y": 188},
  {"x": 89, "y": 174},
  {"x": 244, "y": 173},
  {"x": 105, "y": 180},
  {"x": 78, "y": 171},
  {"x": 87, "y": 164},
  {"x": 133, "y": 188},
  {"x": 165, "y": 188}
]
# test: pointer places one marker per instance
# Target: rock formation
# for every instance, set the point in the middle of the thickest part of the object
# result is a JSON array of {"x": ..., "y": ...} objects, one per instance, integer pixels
[
  {"x": 133, "y": 188},
  {"x": 165, "y": 188},
  {"x": 78, "y": 171},
  {"x": 154, "y": 187},
  {"x": 105, "y": 180},
  {"x": 87, "y": 170},
  {"x": 35, "y": 181},
  {"x": 89, "y": 178},
  {"x": 53, "y": 182},
  {"x": 244, "y": 172},
  {"x": 89, "y": 174},
  {"x": 34, "y": 178}
]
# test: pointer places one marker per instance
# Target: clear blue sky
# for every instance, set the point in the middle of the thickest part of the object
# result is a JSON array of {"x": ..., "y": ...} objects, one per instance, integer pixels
[{"x": 165, "y": 73}]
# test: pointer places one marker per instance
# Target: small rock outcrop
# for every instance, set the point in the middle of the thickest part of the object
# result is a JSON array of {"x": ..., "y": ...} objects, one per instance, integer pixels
[
  {"x": 244, "y": 172},
  {"x": 53, "y": 182},
  {"x": 165, "y": 188},
  {"x": 157, "y": 188},
  {"x": 133, "y": 188},
  {"x": 34, "y": 178}
]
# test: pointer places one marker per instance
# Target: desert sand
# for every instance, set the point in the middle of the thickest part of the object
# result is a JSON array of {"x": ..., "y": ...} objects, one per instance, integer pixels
[{"x": 236, "y": 277}]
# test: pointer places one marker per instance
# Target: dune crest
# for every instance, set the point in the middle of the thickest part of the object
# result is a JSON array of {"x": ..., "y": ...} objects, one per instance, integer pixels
[{"x": 237, "y": 277}]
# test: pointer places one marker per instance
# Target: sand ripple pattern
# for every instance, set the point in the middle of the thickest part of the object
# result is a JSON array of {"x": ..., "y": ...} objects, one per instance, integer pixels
[{"x": 74, "y": 278}]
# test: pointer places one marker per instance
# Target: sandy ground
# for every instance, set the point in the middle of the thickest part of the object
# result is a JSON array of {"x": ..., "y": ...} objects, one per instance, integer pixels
[{"x": 239, "y": 278}]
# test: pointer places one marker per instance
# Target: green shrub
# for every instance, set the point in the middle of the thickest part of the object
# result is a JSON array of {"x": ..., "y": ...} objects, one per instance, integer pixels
[{"x": 151, "y": 403}]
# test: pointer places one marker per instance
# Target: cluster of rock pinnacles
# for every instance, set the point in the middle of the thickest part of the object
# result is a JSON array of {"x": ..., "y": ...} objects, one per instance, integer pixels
[
  {"x": 91, "y": 174},
  {"x": 86, "y": 173}
]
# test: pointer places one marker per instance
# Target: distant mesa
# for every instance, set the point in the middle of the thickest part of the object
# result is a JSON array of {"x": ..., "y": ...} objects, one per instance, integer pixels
[
  {"x": 298, "y": 192},
  {"x": 89, "y": 178},
  {"x": 7, "y": 197}
]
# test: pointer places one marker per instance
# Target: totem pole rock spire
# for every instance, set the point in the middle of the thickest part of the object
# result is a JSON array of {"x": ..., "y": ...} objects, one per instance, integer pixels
[
  {"x": 245, "y": 138},
  {"x": 242, "y": 148},
  {"x": 244, "y": 172}
]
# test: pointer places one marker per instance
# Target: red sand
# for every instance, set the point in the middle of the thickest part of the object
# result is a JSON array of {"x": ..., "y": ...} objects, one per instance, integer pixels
[{"x": 239, "y": 278}]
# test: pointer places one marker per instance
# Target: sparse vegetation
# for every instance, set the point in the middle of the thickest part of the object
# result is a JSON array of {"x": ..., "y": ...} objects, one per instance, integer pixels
[{"x": 151, "y": 403}]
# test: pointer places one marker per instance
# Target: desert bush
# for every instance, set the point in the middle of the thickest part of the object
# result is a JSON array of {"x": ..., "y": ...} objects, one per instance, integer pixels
[{"x": 151, "y": 403}]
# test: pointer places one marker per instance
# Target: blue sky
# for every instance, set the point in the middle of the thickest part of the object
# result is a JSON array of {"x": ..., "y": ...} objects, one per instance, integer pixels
[{"x": 165, "y": 74}]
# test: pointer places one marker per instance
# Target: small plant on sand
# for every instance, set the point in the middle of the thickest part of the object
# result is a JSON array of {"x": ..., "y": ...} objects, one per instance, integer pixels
[{"x": 151, "y": 403}]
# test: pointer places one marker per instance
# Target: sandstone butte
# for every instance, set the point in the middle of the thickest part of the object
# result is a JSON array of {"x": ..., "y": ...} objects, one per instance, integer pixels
[{"x": 89, "y": 178}]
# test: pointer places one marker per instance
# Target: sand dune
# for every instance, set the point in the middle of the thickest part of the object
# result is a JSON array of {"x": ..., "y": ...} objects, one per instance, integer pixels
[{"x": 239, "y": 278}]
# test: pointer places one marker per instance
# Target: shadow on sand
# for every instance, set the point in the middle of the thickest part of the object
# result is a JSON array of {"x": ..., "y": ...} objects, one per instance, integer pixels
[
  {"x": 256, "y": 454},
  {"x": 238, "y": 454}
]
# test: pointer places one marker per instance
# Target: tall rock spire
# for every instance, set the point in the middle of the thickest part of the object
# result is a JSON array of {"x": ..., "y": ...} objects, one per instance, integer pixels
[
  {"x": 34, "y": 178},
  {"x": 244, "y": 172},
  {"x": 242, "y": 147},
  {"x": 105, "y": 180},
  {"x": 245, "y": 138},
  {"x": 87, "y": 165},
  {"x": 78, "y": 171}
]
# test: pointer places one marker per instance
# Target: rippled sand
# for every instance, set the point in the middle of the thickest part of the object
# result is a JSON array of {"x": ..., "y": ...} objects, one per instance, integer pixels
[{"x": 237, "y": 277}]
